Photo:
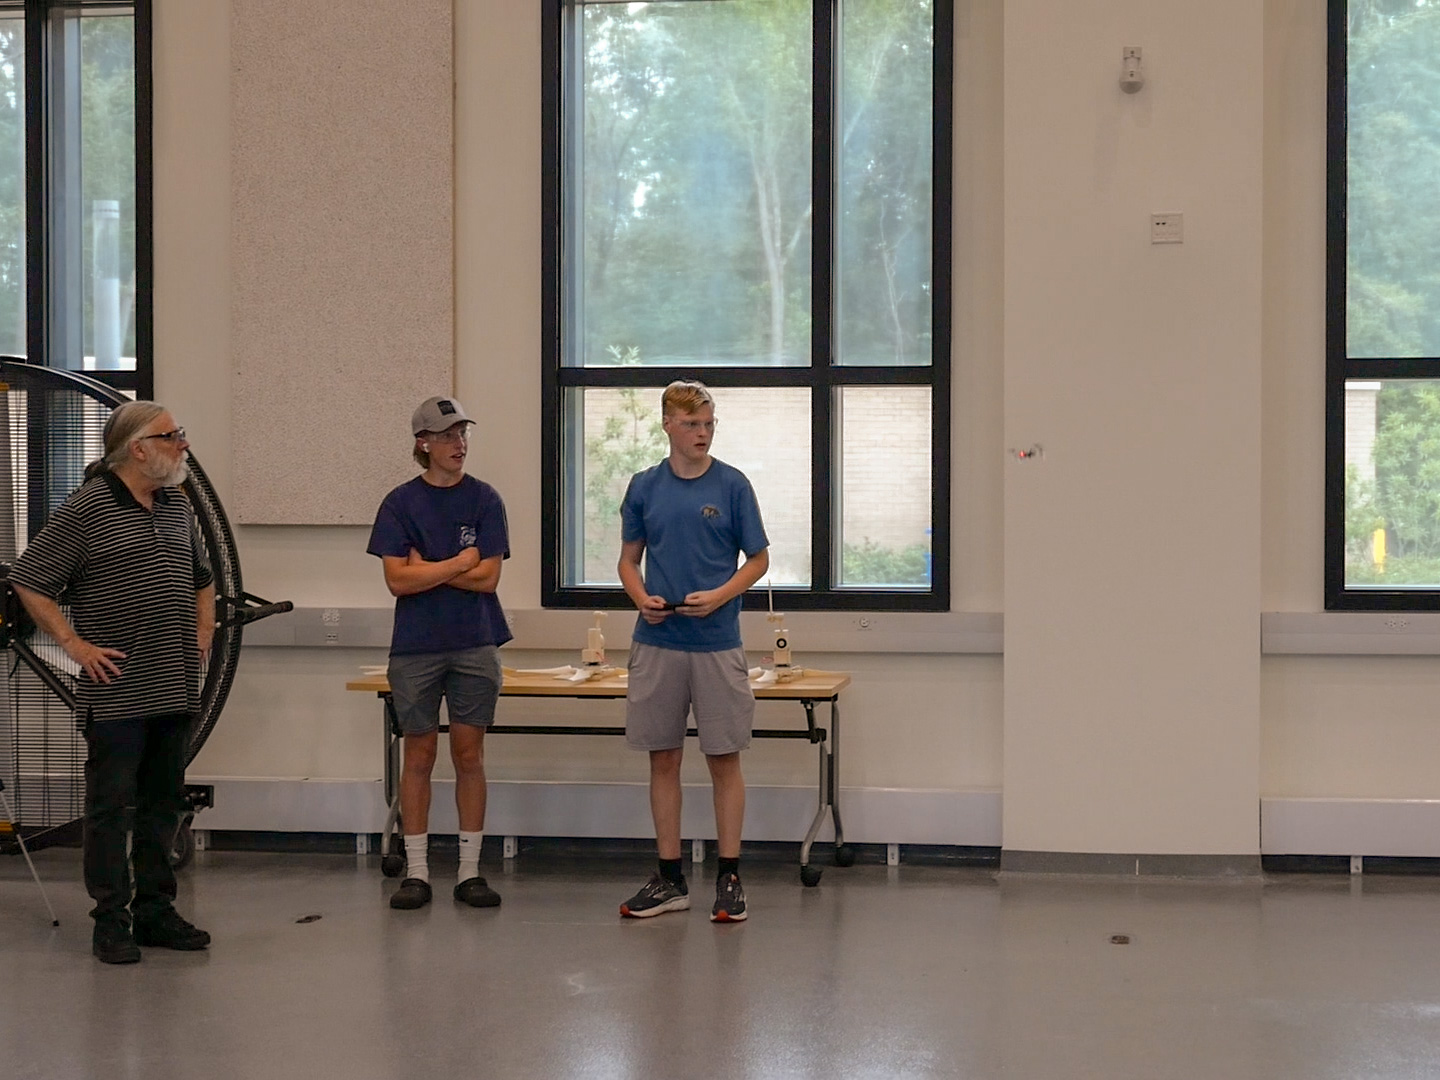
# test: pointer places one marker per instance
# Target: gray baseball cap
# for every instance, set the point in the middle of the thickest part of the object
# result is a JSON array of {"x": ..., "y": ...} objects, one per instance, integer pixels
[{"x": 437, "y": 414}]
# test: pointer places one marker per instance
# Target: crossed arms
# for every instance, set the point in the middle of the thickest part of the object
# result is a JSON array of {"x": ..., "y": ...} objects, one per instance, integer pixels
[{"x": 412, "y": 574}]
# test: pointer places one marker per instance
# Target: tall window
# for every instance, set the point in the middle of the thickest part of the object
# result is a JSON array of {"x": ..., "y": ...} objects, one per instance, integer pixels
[
  {"x": 1383, "y": 338},
  {"x": 755, "y": 193},
  {"x": 75, "y": 255}
]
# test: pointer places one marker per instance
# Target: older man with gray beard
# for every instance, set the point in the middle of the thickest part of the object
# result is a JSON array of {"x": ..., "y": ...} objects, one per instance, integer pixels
[{"x": 124, "y": 553}]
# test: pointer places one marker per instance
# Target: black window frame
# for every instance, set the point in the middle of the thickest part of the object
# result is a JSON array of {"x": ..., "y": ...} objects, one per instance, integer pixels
[
  {"x": 1340, "y": 367},
  {"x": 822, "y": 377},
  {"x": 40, "y": 244}
]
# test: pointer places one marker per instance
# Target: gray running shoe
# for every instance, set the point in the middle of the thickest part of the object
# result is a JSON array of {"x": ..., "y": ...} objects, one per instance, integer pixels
[
  {"x": 658, "y": 896},
  {"x": 729, "y": 900}
]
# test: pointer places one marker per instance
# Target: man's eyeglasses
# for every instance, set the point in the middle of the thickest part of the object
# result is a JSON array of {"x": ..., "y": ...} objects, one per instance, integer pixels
[
  {"x": 458, "y": 435},
  {"x": 178, "y": 435},
  {"x": 696, "y": 425}
]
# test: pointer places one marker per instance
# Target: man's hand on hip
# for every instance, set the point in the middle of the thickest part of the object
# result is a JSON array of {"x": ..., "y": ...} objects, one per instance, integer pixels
[{"x": 99, "y": 663}]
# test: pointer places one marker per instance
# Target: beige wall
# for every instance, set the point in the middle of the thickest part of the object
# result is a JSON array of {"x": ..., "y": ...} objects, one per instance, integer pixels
[
  {"x": 1178, "y": 392},
  {"x": 1132, "y": 562}
]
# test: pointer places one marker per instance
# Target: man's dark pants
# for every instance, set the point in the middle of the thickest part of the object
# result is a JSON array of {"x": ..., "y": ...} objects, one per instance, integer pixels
[{"x": 134, "y": 784}]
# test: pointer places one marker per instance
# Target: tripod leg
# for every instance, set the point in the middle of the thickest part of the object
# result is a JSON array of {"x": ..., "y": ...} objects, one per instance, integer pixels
[{"x": 10, "y": 817}]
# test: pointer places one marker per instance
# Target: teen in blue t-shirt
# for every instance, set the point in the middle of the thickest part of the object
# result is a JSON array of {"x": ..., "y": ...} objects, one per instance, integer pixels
[
  {"x": 442, "y": 538},
  {"x": 690, "y": 518}
]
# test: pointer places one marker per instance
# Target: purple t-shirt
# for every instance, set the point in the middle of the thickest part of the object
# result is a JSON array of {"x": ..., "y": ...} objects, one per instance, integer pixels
[{"x": 439, "y": 523}]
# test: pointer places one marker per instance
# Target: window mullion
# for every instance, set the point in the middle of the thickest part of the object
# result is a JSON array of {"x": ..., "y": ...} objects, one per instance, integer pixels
[
  {"x": 36, "y": 179},
  {"x": 144, "y": 201},
  {"x": 823, "y": 503}
]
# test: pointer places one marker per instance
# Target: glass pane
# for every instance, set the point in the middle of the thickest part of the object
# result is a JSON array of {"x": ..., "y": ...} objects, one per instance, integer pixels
[
  {"x": 1392, "y": 483},
  {"x": 1393, "y": 216},
  {"x": 92, "y": 115},
  {"x": 884, "y": 218},
  {"x": 884, "y": 501},
  {"x": 612, "y": 434},
  {"x": 689, "y": 159},
  {"x": 12, "y": 182}
]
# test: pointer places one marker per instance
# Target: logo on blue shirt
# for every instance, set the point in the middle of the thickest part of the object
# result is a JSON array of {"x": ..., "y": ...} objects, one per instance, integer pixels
[
  {"x": 710, "y": 512},
  {"x": 467, "y": 536}
]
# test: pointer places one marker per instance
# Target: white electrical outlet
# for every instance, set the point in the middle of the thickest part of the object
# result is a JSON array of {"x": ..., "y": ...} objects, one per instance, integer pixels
[{"x": 1167, "y": 228}]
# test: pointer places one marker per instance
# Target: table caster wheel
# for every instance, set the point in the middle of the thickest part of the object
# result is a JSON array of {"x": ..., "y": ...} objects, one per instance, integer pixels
[
  {"x": 844, "y": 855},
  {"x": 182, "y": 846},
  {"x": 810, "y": 876},
  {"x": 391, "y": 865}
]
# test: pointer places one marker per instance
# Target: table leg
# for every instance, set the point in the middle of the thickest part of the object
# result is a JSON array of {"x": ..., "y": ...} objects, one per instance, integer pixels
[
  {"x": 844, "y": 853},
  {"x": 391, "y": 862},
  {"x": 810, "y": 875}
]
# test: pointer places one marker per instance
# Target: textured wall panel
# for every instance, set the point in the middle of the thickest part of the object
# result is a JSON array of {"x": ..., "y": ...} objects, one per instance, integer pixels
[{"x": 342, "y": 130}]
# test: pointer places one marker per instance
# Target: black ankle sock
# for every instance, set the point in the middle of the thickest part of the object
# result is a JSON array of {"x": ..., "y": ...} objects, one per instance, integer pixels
[
  {"x": 729, "y": 866},
  {"x": 670, "y": 870}
]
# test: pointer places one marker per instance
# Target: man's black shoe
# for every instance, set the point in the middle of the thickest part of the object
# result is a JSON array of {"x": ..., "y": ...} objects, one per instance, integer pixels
[
  {"x": 475, "y": 892},
  {"x": 114, "y": 944},
  {"x": 413, "y": 893},
  {"x": 168, "y": 930}
]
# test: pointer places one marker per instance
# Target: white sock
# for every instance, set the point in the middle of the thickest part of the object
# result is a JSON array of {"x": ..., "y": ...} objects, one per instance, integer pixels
[
  {"x": 470, "y": 854},
  {"x": 417, "y": 856}
]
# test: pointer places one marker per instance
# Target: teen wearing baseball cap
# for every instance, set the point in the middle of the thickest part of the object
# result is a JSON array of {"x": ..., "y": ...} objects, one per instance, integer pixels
[{"x": 442, "y": 538}]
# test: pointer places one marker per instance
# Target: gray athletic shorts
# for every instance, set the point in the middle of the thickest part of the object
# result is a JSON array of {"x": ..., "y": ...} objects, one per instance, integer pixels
[
  {"x": 666, "y": 684},
  {"x": 469, "y": 680}
]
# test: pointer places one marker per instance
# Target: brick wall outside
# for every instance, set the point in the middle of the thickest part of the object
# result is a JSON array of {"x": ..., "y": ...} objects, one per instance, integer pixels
[{"x": 1360, "y": 423}]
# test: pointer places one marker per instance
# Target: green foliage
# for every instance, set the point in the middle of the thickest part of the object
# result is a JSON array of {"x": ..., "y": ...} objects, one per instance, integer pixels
[
  {"x": 1362, "y": 517},
  {"x": 696, "y": 182},
  {"x": 867, "y": 563},
  {"x": 1401, "y": 571},
  {"x": 107, "y": 126},
  {"x": 12, "y": 186},
  {"x": 1407, "y": 468},
  {"x": 631, "y": 440},
  {"x": 1393, "y": 216},
  {"x": 107, "y": 154}
]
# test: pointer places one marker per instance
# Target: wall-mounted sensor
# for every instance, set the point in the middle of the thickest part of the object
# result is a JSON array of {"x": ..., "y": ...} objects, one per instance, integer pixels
[{"x": 1132, "y": 78}]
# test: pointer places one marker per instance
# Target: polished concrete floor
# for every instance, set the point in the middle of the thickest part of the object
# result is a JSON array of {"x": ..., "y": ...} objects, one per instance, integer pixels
[{"x": 911, "y": 971}]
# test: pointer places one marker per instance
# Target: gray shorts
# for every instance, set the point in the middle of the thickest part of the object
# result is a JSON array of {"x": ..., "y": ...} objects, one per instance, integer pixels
[
  {"x": 468, "y": 679},
  {"x": 666, "y": 684}
]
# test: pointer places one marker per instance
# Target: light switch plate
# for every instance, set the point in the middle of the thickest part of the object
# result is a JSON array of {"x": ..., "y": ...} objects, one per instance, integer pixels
[{"x": 1167, "y": 228}]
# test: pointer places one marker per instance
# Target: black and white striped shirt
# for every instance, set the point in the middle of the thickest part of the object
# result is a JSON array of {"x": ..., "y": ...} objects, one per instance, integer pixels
[{"x": 129, "y": 576}]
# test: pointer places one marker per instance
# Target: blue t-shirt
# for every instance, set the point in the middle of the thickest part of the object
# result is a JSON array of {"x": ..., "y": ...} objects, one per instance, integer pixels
[
  {"x": 694, "y": 532},
  {"x": 439, "y": 523}
]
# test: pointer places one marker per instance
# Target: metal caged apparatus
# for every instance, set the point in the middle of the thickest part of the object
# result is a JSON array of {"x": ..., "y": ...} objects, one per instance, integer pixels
[{"x": 51, "y": 425}]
